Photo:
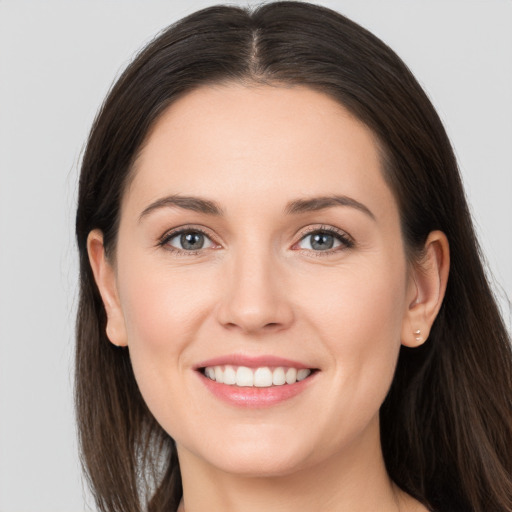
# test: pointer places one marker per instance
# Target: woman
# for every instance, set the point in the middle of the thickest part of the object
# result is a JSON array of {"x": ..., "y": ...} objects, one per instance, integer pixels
[{"x": 282, "y": 300}]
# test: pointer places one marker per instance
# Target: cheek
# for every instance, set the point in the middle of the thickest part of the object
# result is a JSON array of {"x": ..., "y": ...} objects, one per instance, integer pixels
[
  {"x": 361, "y": 307},
  {"x": 162, "y": 306},
  {"x": 359, "y": 321},
  {"x": 163, "y": 309}
]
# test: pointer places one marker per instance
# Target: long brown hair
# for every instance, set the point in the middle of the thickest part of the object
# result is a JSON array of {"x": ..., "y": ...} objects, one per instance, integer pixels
[{"x": 446, "y": 424}]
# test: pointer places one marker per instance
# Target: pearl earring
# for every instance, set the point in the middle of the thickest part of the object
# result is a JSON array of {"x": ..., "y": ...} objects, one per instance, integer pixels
[{"x": 417, "y": 333}]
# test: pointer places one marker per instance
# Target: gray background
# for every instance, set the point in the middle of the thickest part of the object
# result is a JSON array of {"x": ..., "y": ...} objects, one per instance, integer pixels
[{"x": 57, "y": 61}]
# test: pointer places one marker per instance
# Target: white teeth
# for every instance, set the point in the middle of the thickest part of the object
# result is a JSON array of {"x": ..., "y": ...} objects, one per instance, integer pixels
[
  {"x": 278, "y": 377},
  {"x": 229, "y": 375},
  {"x": 291, "y": 375},
  {"x": 219, "y": 374},
  {"x": 262, "y": 377},
  {"x": 301, "y": 374},
  {"x": 244, "y": 377}
]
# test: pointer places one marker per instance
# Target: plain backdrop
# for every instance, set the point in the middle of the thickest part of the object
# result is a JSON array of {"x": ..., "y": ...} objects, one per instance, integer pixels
[{"x": 57, "y": 61}]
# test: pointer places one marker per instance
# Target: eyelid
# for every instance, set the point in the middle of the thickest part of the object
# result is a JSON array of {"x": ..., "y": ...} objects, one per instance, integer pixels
[
  {"x": 346, "y": 240},
  {"x": 163, "y": 241}
]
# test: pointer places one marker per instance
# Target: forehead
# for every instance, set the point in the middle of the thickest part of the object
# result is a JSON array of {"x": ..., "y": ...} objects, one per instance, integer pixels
[{"x": 238, "y": 141}]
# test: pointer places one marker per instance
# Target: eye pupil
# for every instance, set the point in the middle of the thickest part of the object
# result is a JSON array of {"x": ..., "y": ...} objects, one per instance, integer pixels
[
  {"x": 192, "y": 241},
  {"x": 322, "y": 241}
]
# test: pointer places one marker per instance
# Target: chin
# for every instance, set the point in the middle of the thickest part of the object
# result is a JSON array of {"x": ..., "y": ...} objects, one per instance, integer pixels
[
  {"x": 258, "y": 456},
  {"x": 259, "y": 465}
]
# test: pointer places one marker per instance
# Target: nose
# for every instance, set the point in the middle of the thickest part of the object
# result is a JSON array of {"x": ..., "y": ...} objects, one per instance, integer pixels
[{"x": 255, "y": 298}]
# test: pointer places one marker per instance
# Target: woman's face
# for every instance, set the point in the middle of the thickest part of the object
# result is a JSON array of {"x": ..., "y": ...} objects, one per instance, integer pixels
[{"x": 258, "y": 233}]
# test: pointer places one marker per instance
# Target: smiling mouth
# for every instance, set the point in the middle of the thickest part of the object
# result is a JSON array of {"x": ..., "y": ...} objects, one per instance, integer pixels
[{"x": 261, "y": 377}]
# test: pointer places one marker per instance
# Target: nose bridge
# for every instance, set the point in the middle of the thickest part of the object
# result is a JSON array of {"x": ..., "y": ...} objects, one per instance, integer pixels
[{"x": 254, "y": 297}]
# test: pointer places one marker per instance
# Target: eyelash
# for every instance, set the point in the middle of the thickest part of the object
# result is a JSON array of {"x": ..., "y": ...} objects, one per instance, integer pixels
[
  {"x": 167, "y": 237},
  {"x": 345, "y": 240}
]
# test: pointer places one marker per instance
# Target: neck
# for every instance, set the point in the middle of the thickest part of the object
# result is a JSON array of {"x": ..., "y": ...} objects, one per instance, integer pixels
[{"x": 354, "y": 480}]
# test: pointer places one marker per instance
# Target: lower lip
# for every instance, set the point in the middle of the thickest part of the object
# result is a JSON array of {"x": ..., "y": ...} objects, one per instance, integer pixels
[{"x": 254, "y": 397}]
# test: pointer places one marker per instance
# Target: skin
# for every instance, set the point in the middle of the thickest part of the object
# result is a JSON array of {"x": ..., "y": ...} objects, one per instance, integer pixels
[{"x": 257, "y": 287}]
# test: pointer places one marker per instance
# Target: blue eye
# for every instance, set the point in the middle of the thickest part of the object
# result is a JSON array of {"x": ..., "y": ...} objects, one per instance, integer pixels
[
  {"x": 324, "y": 240},
  {"x": 189, "y": 240}
]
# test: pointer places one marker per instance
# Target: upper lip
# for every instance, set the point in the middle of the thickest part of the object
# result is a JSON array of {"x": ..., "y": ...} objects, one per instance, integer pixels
[{"x": 252, "y": 361}]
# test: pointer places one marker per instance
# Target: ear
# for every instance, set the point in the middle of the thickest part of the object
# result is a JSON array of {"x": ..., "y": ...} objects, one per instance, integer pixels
[
  {"x": 104, "y": 275},
  {"x": 426, "y": 289}
]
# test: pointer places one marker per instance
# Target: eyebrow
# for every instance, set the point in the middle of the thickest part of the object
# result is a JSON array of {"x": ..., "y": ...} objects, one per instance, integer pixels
[
  {"x": 208, "y": 207},
  {"x": 314, "y": 204},
  {"x": 195, "y": 204}
]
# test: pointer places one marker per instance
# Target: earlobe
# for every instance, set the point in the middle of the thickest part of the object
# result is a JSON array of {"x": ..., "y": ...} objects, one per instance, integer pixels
[
  {"x": 426, "y": 289},
  {"x": 104, "y": 275}
]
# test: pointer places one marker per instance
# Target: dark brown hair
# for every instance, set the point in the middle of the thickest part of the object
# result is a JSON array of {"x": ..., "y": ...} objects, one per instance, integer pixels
[{"x": 446, "y": 424}]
